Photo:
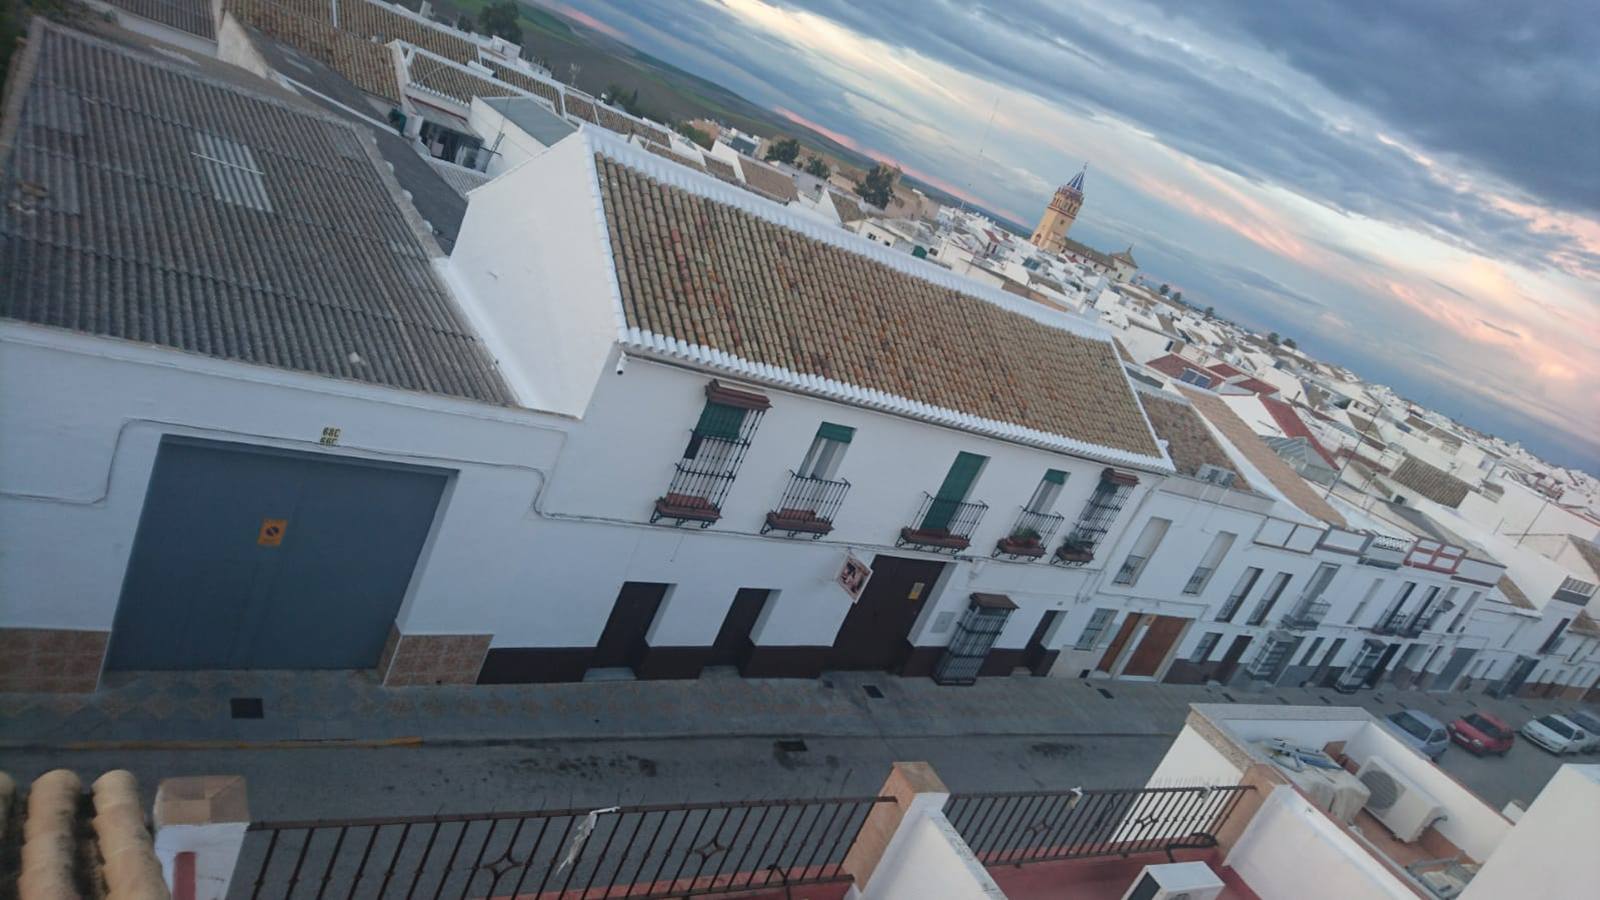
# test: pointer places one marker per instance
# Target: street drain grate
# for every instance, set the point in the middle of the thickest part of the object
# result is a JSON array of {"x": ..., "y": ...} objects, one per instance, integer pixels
[
  {"x": 1379, "y": 698},
  {"x": 1326, "y": 701},
  {"x": 246, "y": 708},
  {"x": 790, "y": 746},
  {"x": 1228, "y": 697},
  {"x": 1284, "y": 702},
  {"x": 1105, "y": 693},
  {"x": 873, "y": 691}
]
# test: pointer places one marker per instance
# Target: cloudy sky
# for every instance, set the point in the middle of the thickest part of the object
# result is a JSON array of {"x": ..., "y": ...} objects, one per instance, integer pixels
[{"x": 1413, "y": 192}]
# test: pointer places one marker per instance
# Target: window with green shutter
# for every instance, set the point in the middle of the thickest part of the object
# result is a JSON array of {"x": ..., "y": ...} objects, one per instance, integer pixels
[
  {"x": 1044, "y": 496},
  {"x": 827, "y": 451}
]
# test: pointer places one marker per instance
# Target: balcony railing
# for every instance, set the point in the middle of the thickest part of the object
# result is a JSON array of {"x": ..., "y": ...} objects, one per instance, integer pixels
[
  {"x": 1389, "y": 624},
  {"x": 1129, "y": 571},
  {"x": 942, "y": 525},
  {"x": 807, "y": 507},
  {"x": 1197, "y": 581},
  {"x": 1030, "y": 536},
  {"x": 1036, "y": 826},
  {"x": 1230, "y": 607},
  {"x": 701, "y": 481},
  {"x": 1307, "y": 616}
]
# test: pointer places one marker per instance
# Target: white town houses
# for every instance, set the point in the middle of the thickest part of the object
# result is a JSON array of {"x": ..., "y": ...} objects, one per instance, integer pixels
[{"x": 642, "y": 421}]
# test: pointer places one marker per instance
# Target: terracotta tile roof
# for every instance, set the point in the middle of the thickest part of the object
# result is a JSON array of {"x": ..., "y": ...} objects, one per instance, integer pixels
[
  {"x": 374, "y": 20},
  {"x": 721, "y": 168},
  {"x": 767, "y": 181},
  {"x": 1586, "y": 549},
  {"x": 1285, "y": 479},
  {"x": 1254, "y": 386},
  {"x": 1122, "y": 351},
  {"x": 714, "y": 274},
  {"x": 1291, "y": 425},
  {"x": 73, "y": 843},
  {"x": 440, "y": 76},
  {"x": 368, "y": 66},
  {"x": 1435, "y": 484},
  {"x": 1513, "y": 593},
  {"x": 193, "y": 16},
  {"x": 1173, "y": 365},
  {"x": 1226, "y": 371},
  {"x": 535, "y": 86},
  {"x": 1189, "y": 441},
  {"x": 581, "y": 105},
  {"x": 668, "y": 153},
  {"x": 848, "y": 209}
]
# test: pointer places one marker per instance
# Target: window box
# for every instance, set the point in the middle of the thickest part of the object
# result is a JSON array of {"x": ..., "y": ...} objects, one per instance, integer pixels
[
  {"x": 1020, "y": 545},
  {"x": 687, "y": 508},
  {"x": 1074, "y": 553},
  {"x": 807, "y": 506}
]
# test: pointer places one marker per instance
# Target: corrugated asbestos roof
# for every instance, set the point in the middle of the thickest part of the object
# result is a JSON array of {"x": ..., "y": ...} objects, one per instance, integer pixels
[
  {"x": 193, "y": 16},
  {"x": 713, "y": 274},
  {"x": 150, "y": 203}
]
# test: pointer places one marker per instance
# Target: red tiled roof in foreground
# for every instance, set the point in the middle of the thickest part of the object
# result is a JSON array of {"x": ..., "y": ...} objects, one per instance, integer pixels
[{"x": 715, "y": 275}]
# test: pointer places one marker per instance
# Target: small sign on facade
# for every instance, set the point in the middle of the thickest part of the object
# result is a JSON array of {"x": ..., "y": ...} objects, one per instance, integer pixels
[
  {"x": 271, "y": 533},
  {"x": 853, "y": 576}
]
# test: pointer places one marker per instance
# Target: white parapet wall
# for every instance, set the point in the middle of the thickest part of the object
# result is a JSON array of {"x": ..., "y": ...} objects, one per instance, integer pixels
[
  {"x": 927, "y": 858},
  {"x": 1551, "y": 851},
  {"x": 1291, "y": 849}
]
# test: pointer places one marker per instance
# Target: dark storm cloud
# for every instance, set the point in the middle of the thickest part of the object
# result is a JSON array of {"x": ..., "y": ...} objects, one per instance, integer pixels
[{"x": 1522, "y": 102}]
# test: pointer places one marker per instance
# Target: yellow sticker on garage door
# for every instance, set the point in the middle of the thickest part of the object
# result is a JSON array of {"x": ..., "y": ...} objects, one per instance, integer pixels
[{"x": 271, "y": 534}]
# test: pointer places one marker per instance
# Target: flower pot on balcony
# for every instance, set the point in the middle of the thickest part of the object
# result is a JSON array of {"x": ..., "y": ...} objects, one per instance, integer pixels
[
  {"x": 686, "y": 508},
  {"x": 1022, "y": 542},
  {"x": 933, "y": 537},
  {"x": 797, "y": 521},
  {"x": 1074, "y": 553}
]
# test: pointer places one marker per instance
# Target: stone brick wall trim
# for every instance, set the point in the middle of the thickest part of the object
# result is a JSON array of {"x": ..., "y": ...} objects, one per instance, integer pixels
[
  {"x": 51, "y": 660},
  {"x": 411, "y": 660}
]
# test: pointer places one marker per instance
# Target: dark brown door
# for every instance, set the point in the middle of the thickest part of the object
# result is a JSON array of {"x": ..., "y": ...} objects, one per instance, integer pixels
[
  {"x": 1382, "y": 666},
  {"x": 733, "y": 639},
  {"x": 622, "y": 643},
  {"x": 1124, "y": 634},
  {"x": 1230, "y": 660},
  {"x": 1153, "y": 647},
  {"x": 873, "y": 634},
  {"x": 1035, "y": 658}
]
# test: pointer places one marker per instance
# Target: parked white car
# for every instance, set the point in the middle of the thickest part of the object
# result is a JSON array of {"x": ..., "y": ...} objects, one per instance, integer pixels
[
  {"x": 1589, "y": 722},
  {"x": 1558, "y": 734}
]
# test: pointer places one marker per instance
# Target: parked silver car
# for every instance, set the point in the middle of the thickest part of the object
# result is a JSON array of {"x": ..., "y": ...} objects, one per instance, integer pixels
[
  {"x": 1590, "y": 723},
  {"x": 1420, "y": 731}
]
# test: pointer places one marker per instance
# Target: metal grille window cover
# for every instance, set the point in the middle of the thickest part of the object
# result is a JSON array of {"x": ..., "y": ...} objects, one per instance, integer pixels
[
  {"x": 975, "y": 635},
  {"x": 808, "y": 506},
  {"x": 1101, "y": 510},
  {"x": 943, "y": 524},
  {"x": 1024, "y": 827},
  {"x": 626, "y": 853},
  {"x": 710, "y": 462}
]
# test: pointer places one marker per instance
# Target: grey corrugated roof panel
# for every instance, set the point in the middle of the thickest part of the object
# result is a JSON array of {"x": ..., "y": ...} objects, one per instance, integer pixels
[
  {"x": 130, "y": 213},
  {"x": 460, "y": 178},
  {"x": 531, "y": 116}
]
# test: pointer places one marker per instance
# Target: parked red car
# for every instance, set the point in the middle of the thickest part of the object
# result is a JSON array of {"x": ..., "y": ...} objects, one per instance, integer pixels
[{"x": 1482, "y": 733}]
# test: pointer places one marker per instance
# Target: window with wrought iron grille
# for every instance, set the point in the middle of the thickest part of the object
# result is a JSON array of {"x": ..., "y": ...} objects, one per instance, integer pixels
[
  {"x": 1270, "y": 598},
  {"x": 1101, "y": 510},
  {"x": 1220, "y": 545},
  {"x": 1090, "y": 638},
  {"x": 1247, "y": 583},
  {"x": 1143, "y": 548},
  {"x": 1208, "y": 643},
  {"x": 712, "y": 456}
]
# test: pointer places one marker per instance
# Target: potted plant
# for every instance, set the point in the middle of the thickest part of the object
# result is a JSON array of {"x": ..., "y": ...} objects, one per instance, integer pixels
[
  {"x": 1075, "y": 552},
  {"x": 1021, "y": 542}
]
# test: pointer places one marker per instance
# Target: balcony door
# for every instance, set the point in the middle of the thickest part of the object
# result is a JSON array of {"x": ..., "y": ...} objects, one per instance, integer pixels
[{"x": 953, "y": 492}]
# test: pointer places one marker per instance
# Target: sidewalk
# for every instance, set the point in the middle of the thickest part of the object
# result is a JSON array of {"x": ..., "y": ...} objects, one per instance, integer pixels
[{"x": 176, "y": 708}]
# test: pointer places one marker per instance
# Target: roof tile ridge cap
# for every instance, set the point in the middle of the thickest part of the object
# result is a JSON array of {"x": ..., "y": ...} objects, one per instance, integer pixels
[
  {"x": 607, "y": 251},
  {"x": 716, "y": 190},
  {"x": 787, "y": 378}
]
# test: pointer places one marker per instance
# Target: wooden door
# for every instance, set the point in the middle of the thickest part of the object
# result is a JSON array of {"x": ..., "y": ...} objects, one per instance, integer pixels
[
  {"x": 622, "y": 643},
  {"x": 1152, "y": 649},
  {"x": 733, "y": 638},
  {"x": 873, "y": 634},
  {"x": 1124, "y": 634}
]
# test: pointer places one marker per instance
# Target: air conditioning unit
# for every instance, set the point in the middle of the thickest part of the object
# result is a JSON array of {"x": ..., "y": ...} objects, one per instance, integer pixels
[
  {"x": 1176, "y": 881},
  {"x": 1396, "y": 801}
]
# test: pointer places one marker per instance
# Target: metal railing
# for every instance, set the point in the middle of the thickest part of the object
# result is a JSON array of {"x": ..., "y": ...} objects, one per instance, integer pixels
[
  {"x": 1197, "y": 581},
  {"x": 1230, "y": 607},
  {"x": 1307, "y": 615},
  {"x": 1030, "y": 535},
  {"x": 808, "y": 506},
  {"x": 1129, "y": 573},
  {"x": 618, "y": 853},
  {"x": 1030, "y": 826},
  {"x": 701, "y": 479},
  {"x": 943, "y": 524}
]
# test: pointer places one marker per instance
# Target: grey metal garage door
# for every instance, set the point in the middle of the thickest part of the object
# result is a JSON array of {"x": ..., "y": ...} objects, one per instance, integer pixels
[{"x": 255, "y": 558}]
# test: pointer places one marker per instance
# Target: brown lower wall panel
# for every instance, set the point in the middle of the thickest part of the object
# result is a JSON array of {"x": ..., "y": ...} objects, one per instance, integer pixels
[
  {"x": 766, "y": 661},
  {"x": 669, "y": 663},
  {"x": 919, "y": 662},
  {"x": 1182, "y": 671},
  {"x": 526, "y": 665},
  {"x": 1001, "y": 661}
]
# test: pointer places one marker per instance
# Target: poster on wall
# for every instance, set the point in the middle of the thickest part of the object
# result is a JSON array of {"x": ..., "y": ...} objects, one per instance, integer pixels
[{"x": 853, "y": 576}]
